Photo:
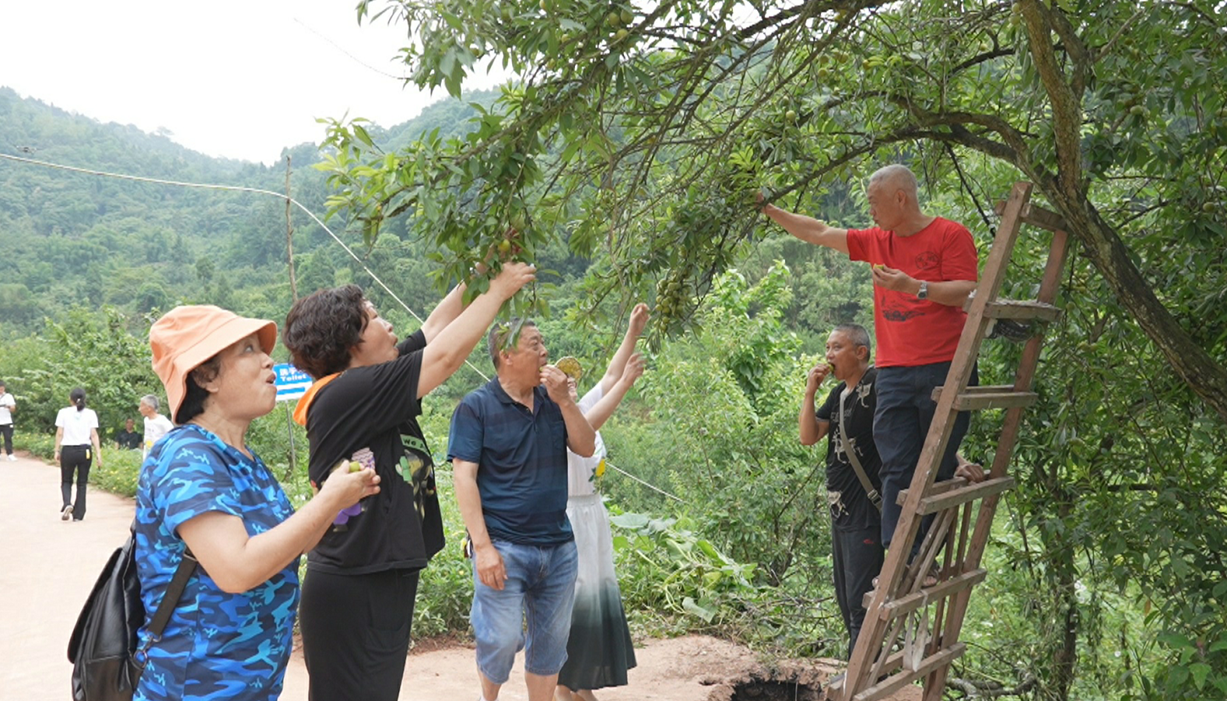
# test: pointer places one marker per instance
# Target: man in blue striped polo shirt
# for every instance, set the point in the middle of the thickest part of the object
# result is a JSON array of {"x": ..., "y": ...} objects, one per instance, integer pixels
[{"x": 508, "y": 448}]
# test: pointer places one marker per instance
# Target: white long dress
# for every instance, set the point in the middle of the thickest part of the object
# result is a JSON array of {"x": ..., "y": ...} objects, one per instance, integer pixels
[{"x": 599, "y": 651}]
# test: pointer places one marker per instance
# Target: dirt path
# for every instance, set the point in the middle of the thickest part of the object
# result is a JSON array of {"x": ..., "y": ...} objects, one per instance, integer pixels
[{"x": 47, "y": 567}]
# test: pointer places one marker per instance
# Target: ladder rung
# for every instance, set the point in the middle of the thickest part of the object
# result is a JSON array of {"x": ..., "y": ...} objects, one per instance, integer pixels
[
  {"x": 954, "y": 497},
  {"x": 901, "y": 679},
  {"x": 1037, "y": 216},
  {"x": 911, "y": 602},
  {"x": 835, "y": 686},
  {"x": 936, "y": 488},
  {"x": 979, "y": 389},
  {"x": 1019, "y": 309},
  {"x": 990, "y": 397}
]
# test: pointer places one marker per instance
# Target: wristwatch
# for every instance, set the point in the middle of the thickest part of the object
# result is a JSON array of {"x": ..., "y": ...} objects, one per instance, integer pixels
[{"x": 923, "y": 292}]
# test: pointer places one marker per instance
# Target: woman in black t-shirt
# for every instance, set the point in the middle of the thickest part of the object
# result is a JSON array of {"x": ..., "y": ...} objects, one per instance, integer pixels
[{"x": 358, "y": 595}]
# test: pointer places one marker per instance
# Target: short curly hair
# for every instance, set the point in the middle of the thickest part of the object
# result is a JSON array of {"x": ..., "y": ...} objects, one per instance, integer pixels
[{"x": 321, "y": 329}]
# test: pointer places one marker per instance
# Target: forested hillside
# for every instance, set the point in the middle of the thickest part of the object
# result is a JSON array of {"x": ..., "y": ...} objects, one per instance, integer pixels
[
  {"x": 633, "y": 150},
  {"x": 71, "y": 239}
]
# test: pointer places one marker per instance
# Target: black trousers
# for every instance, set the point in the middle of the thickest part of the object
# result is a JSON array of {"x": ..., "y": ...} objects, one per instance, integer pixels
[
  {"x": 355, "y": 633},
  {"x": 6, "y": 431},
  {"x": 857, "y": 556},
  {"x": 75, "y": 459}
]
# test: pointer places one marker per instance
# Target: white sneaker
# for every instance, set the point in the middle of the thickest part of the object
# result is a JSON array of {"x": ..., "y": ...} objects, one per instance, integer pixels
[
  {"x": 66, "y": 513},
  {"x": 12, "y": 458}
]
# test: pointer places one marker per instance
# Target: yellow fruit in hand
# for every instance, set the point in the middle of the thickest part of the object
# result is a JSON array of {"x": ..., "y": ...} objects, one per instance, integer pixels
[{"x": 355, "y": 466}]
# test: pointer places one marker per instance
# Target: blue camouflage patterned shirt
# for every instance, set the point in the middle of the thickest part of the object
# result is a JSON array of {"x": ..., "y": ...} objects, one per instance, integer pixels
[{"x": 216, "y": 645}]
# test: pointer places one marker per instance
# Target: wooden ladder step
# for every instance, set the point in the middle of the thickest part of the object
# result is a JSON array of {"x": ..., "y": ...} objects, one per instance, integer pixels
[
  {"x": 1018, "y": 309},
  {"x": 934, "y": 503},
  {"x": 900, "y": 679},
  {"x": 990, "y": 397},
  {"x": 906, "y": 604}
]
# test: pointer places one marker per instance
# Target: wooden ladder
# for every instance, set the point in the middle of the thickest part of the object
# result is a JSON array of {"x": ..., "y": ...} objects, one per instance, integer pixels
[{"x": 899, "y": 641}]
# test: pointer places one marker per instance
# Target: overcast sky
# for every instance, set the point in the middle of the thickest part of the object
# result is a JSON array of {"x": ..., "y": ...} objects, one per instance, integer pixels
[{"x": 232, "y": 78}]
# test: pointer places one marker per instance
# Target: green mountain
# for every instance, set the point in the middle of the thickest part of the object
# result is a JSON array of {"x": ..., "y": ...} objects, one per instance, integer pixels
[{"x": 72, "y": 239}]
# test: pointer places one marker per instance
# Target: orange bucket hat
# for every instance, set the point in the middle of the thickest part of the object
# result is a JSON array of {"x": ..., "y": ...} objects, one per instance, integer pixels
[{"x": 188, "y": 336}]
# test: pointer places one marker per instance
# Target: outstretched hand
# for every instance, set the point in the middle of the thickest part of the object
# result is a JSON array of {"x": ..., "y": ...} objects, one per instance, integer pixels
[
  {"x": 511, "y": 278},
  {"x": 639, "y": 320},
  {"x": 634, "y": 369}
]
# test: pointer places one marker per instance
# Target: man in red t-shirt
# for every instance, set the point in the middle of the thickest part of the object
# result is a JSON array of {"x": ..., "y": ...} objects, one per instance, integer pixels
[{"x": 924, "y": 267}]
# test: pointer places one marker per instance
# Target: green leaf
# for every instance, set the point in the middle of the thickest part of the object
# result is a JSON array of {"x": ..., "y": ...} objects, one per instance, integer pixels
[{"x": 691, "y": 607}]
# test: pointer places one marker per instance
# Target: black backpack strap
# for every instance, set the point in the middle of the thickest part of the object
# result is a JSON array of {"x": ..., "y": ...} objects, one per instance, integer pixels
[{"x": 171, "y": 599}]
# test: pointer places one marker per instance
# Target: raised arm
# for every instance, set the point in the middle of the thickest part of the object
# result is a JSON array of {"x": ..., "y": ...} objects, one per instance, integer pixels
[
  {"x": 807, "y": 229},
  {"x": 809, "y": 426},
  {"x": 239, "y": 563},
  {"x": 611, "y": 398},
  {"x": 617, "y": 364},
  {"x": 448, "y": 351},
  {"x": 444, "y": 313}
]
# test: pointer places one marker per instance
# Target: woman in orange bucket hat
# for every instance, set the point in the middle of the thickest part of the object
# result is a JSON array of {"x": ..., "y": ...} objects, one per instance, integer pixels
[{"x": 204, "y": 494}]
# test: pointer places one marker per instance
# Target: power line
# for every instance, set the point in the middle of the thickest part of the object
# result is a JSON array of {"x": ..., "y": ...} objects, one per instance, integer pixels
[{"x": 309, "y": 213}]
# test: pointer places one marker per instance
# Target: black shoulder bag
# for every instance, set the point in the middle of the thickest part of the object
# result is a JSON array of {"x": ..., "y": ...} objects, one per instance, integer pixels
[{"x": 102, "y": 649}]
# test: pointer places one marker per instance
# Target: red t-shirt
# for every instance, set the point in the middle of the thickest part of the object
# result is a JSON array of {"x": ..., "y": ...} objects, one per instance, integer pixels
[{"x": 911, "y": 331}]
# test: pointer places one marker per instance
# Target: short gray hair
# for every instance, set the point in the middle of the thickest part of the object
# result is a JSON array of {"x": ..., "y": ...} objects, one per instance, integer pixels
[
  {"x": 152, "y": 401},
  {"x": 858, "y": 335},
  {"x": 900, "y": 176},
  {"x": 503, "y": 333}
]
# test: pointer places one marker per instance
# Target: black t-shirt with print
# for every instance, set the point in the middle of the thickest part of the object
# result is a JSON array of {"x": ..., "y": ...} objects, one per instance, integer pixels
[
  {"x": 850, "y": 505},
  {"x": 369, "y": 414}
]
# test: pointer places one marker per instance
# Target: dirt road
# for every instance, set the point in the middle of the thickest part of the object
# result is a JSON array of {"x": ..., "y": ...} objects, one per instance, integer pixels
[{"x": 47, "y": 567}]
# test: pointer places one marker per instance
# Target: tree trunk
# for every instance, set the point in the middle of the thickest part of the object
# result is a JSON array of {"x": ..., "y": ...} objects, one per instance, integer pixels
[{"x": 1205, "y": 376}]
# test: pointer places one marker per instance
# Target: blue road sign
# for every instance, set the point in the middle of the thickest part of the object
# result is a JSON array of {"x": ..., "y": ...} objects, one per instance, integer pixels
[{"x": 292, "y": 383}]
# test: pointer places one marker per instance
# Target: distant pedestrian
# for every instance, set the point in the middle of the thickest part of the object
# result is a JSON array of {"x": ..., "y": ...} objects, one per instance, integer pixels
[
  {"x": 156, "y": 425},
  {"x": 128, "y": 439},
  {"x": 7, "y": 406},
  {"x": 76, "y": 447}
]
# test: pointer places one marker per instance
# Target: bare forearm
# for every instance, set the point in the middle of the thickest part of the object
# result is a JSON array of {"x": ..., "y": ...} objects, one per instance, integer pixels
[
  {"x": 444, "y": 313},
  {"x": 448, "y": 351},
  {"x": 952, "y": 293},
  {"x": 617, "y": 364},
  {"x": 602, "y": 410},
  {"x": 239, "y": 563},
  {"x": 809, "y": 229},
  {"x": 811, "y": 430},
  {"x": 581, "y": 438},
  {"x": 468, "y": 498}
]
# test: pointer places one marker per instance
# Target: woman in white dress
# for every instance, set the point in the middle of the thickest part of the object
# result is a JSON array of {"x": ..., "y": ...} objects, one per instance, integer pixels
[{"x": 599, "y": 651}]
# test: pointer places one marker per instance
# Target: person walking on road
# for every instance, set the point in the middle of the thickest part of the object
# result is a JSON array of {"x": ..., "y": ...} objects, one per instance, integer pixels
[
  {"x": 7, "y": 406},
  {"x": 75, "y": 434}
]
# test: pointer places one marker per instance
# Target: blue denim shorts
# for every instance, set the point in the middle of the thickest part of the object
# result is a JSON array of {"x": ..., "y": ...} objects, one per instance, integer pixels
[{"x": 539, "y": 591}]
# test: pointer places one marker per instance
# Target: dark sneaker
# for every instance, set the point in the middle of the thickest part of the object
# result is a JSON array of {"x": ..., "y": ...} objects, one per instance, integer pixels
[
  {"x": 1011, "y": 330},
  {"x": 66, "y": 512}
]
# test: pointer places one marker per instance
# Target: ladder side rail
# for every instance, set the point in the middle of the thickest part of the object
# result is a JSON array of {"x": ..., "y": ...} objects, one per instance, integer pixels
[
  {"x": 991, "y": 279},
  {"x": 1024, "y": 379}
]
